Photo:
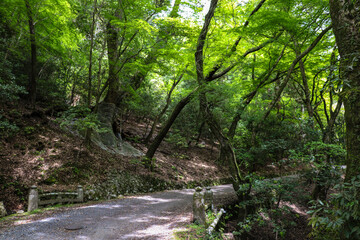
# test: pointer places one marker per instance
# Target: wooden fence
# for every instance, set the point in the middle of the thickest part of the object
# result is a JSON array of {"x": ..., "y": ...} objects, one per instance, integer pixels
[{"x": 36, "y": 199}]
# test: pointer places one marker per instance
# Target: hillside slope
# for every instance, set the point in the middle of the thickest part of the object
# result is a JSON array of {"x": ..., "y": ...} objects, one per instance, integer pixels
[{"x": 41, "y": 153}]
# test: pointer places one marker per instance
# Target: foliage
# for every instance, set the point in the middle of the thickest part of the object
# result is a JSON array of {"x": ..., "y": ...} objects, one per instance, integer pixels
[
  {"x": 269, "y": 193},
  {"x": 80, "y": 118},
  {"x": 323, "y": 158},
  {"x": 263, "y": 207},
  {"x": 140, "y": 47},
  {"x": 195, "y": 231},
  {"x": 149, "y": 163},
  {"x": 331, "y": 153},
  {"x": 340, "y": 217},
  {"x": 275, "y": 142},
  {"x": 7, "y": 129},
  {"x": 29, "y": 130},
  {"x": 176, "y": 137},
  {"x": 10, "y": 92},
  {"x": 264, "y": 217}
]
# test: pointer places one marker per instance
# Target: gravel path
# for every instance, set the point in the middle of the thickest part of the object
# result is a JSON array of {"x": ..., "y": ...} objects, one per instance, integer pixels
[{"x": 154, "y": 216}]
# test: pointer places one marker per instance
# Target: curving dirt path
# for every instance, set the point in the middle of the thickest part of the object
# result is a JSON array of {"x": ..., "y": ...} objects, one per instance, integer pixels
[{"x": 153, "y": 216}]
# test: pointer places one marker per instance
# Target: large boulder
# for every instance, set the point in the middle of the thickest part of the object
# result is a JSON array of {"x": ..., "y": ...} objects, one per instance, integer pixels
[{"x": 107, "y": 140}]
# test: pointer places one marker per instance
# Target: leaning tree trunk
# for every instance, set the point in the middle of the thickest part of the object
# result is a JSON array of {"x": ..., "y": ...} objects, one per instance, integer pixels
[
  {"x": 165, "y": 129},
  {"x": 204, "y": 108},
  {"x": 163, "y": 111}
]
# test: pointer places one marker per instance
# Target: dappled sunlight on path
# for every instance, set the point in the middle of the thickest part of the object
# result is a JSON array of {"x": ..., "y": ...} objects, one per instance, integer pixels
[{"x": 154, "y": 216}]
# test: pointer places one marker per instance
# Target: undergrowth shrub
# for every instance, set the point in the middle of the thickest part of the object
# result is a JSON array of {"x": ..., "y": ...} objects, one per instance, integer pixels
[
  {"x": 7, "y": 129},
  {"x": 263, "y": 207},
  {"x": 324, "y": 171},
  {"x": 340, "y": 217},
  {"x": 175, "y": 137},
  {"x": 10, "y": 91},
  {"x": 80, "y": 118}
]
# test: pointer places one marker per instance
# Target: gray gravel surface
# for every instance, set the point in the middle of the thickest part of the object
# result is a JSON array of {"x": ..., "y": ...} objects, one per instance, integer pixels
[{"x": 154, "y": 216}]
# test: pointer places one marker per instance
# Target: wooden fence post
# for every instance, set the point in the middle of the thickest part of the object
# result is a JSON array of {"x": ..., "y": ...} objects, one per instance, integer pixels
[{"x": 33, "y": 199}]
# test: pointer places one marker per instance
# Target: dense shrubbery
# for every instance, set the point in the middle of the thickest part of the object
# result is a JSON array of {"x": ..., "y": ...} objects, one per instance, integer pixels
[
  {"x": 263, "y": 207},
  {"x": 340, "y": 217},
  {"x": 10, "y": 92},
  {"x": 7, "y": 129}
]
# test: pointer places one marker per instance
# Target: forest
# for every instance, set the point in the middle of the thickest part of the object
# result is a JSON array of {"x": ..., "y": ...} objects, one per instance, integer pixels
[{"x": 258, "y": 89}]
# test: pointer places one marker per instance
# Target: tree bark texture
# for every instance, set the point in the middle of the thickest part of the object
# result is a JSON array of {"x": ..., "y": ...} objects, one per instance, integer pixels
[
  {"x": 88, "y": 130},
  {"x": 113, "y": 78},
  {"x": 345, "y": 15},
  {"x": 91, "y": 54}
]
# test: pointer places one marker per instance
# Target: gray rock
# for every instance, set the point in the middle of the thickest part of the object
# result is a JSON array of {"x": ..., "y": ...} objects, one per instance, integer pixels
[
  {"x": 107, "y": 140},
  {"x": 3, "y": 212}
]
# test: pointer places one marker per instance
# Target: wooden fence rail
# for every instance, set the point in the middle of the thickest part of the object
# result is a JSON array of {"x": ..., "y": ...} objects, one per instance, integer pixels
[{"x": 36, "y": 199}]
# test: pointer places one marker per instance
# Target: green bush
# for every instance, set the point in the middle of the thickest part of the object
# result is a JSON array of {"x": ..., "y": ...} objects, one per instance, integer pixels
[
  {"x": 80, "y": 118},
  {"x": 331, "y": 153},
  {"x": 323, "y": 157},
  {"x": 340, "y": 217},
  {"x": 263, "y": 205},
  {"x": 29, "y": 130},
  {"x": 10, "y": 91},
  {"x": 7, "y": 129},
  {"x": 176, "y": 138}
]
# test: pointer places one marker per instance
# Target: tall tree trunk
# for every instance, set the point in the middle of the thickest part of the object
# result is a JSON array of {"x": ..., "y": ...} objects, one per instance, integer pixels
[
  {"x": 345, "y": 16},
  {"x": 307, "y": 97},
  {"x": 91, "y": 53},
  {"x": 33, "y": 72},
  {"x": 113, "y": 78},
  {"x": 99, "y": 74},
  {"x": 88, "y": 130}
]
